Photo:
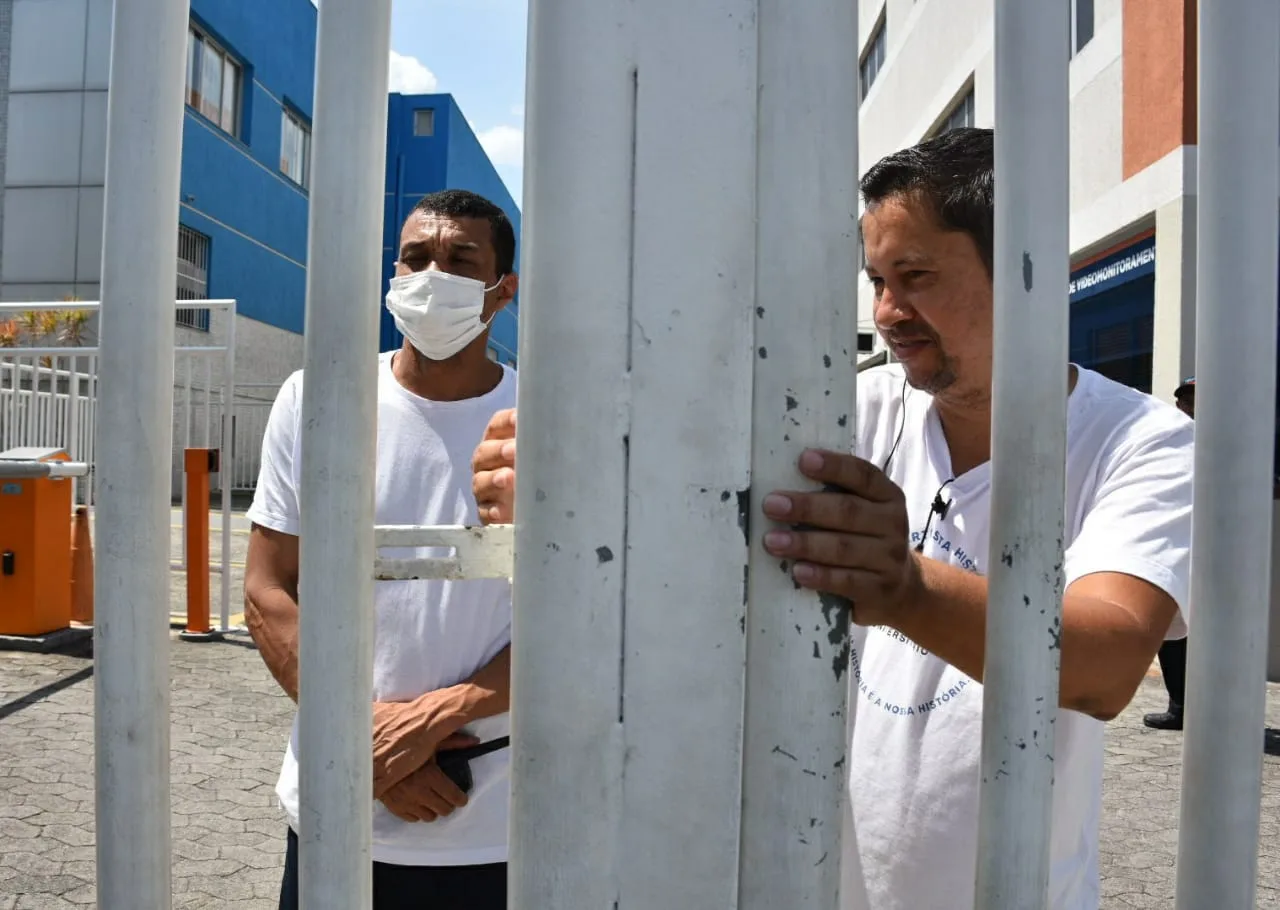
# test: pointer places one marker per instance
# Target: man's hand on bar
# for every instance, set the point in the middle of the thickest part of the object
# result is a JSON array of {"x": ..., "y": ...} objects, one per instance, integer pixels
[
  {"x": 494, "y": 470},
  {"x": 849, "y": 539}
]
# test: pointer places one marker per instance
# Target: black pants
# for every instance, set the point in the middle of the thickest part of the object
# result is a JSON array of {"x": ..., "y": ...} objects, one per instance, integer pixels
[
  {"x": 416, "y": 887},
  {"x": 1173, "y": 667}
]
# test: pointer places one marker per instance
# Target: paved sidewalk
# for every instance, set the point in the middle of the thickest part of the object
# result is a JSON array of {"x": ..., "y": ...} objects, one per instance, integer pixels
[
  {"x": 229, "y": 729},
  {"x": 228, "y": 734}
]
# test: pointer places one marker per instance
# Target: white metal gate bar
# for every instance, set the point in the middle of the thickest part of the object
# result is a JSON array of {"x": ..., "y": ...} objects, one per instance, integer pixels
[
  {"x": 226, "y": 471},
  {"x": 795, "y": 778},
  {"x": 650, "y": 137},
  {"x": 135, "y": 437},
  {"x": 339, "y": 429},
  {"x": 1237, "y": 237},
  {"x": 683, "y": 607},
  {"x": 623, "y": 183},
  {"x": 567, "y": 624},
  {"x": 1029, "y": 416}
]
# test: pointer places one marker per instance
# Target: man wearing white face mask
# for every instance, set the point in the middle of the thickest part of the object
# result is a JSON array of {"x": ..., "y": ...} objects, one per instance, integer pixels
[{"x": 442, "y": 649}]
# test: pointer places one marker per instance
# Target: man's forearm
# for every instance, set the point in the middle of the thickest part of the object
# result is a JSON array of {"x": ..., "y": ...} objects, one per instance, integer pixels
[
  {"x": 272, "y": 617},
  {"x": 1100, "y": 641},
  {"x": 487, "y": 693}
]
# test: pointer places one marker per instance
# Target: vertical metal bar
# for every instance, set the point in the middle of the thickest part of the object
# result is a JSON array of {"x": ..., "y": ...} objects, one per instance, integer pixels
[
  {"x": 206, "y": 438},
  {"x": 39, "y": 404},
  {"x": 189, "y": 366},
  {"x": 135, "y": 452},
  {"x": 31, "y": 402},
  {"x": 196, "y": 468},
  {"x": 1237, "y": 234},
  {"x": 335, "y": 711},
  {"x": 703, "y": 664},
  {"x": 6, "y": 401},
  {"x": 73, "y": 423},
  {"x": 568, "y": 598},
  {"x": 226, "y": 474},
  {"x": 807, "y": 254},
  {"x": 91, "y": 424},
  {"x": 188, "y": 373},
  {"x": 1029, "y": 413}
]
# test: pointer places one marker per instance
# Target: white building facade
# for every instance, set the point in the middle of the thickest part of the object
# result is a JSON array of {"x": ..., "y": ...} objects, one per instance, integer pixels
[{"x": 929, "y": 65}]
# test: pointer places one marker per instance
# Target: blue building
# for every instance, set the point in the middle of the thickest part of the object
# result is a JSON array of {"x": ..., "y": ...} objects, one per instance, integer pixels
[
  {"x": 430, "y": 146},
  {"x": 245, "y": 168},
  {"x": 245, "y": 158},
  {"x": 246, "y": 161},
  {"x": 1113, "y": 312}
]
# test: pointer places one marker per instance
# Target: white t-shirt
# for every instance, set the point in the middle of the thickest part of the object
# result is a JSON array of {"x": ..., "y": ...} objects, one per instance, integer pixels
[
  {"x": 917, "y": 721},
  {"x": 429, "y": 634}
]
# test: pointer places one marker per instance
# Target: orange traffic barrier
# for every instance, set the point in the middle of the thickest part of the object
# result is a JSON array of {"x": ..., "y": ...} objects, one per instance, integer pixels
[
  {"x": 198, "y": 465},
  {"x": 35, "y": 550},
  {"x": 81, "y": 568}
]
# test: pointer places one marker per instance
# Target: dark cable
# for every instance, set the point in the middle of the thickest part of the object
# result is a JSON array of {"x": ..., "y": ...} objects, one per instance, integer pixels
[
  {"x": 902, "y": 425},
  {"x": 938, "y": 508}
]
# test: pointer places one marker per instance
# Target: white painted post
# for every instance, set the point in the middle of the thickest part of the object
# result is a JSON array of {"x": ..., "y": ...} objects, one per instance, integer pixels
[
  {"x": 1029, "y": 408},
  {"x": 571, "y": 545},
  {"x": 691, "y": 358},
  {"x": 206, "y": 438},
  {"x": 1239, "y": 180},
  {"x": 73, "y": 420},
  {"x": 795, "y": 779},
  {"x": 641, "y": 351},
  {"x": 134, "y": 453},
  {"x": 339, "y": 425},
  {"x": 226, "y": 473}
]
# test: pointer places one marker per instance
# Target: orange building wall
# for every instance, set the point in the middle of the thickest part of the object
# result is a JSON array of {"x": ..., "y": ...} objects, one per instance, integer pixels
[{"x": 1159, "y": 80}]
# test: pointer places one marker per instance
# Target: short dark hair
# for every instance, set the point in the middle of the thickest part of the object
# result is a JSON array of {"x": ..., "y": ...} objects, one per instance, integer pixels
[
  {"x": 466, "y": 204},
  {"x": 954, "y": 174}
]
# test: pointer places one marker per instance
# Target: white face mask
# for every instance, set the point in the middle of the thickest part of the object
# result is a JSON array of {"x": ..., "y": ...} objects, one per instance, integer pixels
[{"x": 439, "y": 313}]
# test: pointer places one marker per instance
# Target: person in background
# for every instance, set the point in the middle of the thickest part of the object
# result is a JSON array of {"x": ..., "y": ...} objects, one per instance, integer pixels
[
  {"x": 442, "y": 648},
  {"x": 1173, "y": 653}
]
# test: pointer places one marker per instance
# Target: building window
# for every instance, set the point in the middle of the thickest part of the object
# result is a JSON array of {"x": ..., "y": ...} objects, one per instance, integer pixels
[
  {"x": 213, "y": 82},
  {"x": 193, "y": 277},
  {"x": 424, "y": 122},
  {"x": 961, "y": 115},
  {"x": 872, "y": 59},
  {"x": 295, "y": 149},
  {"x": 866, "y": 342},
  {"x": 1081, "y": 24}
]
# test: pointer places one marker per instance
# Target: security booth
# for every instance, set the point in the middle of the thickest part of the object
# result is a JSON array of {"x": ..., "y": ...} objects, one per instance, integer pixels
[{"x": 35, "y": 541}]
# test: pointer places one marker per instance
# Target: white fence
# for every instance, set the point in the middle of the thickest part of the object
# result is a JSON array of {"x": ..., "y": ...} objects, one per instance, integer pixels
[
  {"x": 46, "y": 404},
  {"x": 249, "y": 413},
  {"x": 48, "y": 392}
]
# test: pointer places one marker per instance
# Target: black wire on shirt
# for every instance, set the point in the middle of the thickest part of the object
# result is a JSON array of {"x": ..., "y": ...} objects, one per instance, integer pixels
[{"x": 938, "y": 507}]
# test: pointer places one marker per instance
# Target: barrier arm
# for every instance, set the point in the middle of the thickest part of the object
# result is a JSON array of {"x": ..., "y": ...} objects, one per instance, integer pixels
[{"x": 23, "y": 470}]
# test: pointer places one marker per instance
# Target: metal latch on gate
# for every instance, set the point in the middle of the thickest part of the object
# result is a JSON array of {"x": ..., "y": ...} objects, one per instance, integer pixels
[{"x": 478, "y": 552}]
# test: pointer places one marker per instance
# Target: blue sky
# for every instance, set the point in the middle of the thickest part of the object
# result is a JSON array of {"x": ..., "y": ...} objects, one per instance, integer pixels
[{"x": 475, "y": 50}]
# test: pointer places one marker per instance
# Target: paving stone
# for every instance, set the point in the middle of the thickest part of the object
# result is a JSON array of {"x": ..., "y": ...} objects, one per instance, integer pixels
[{"x": 230, "y": 725}]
